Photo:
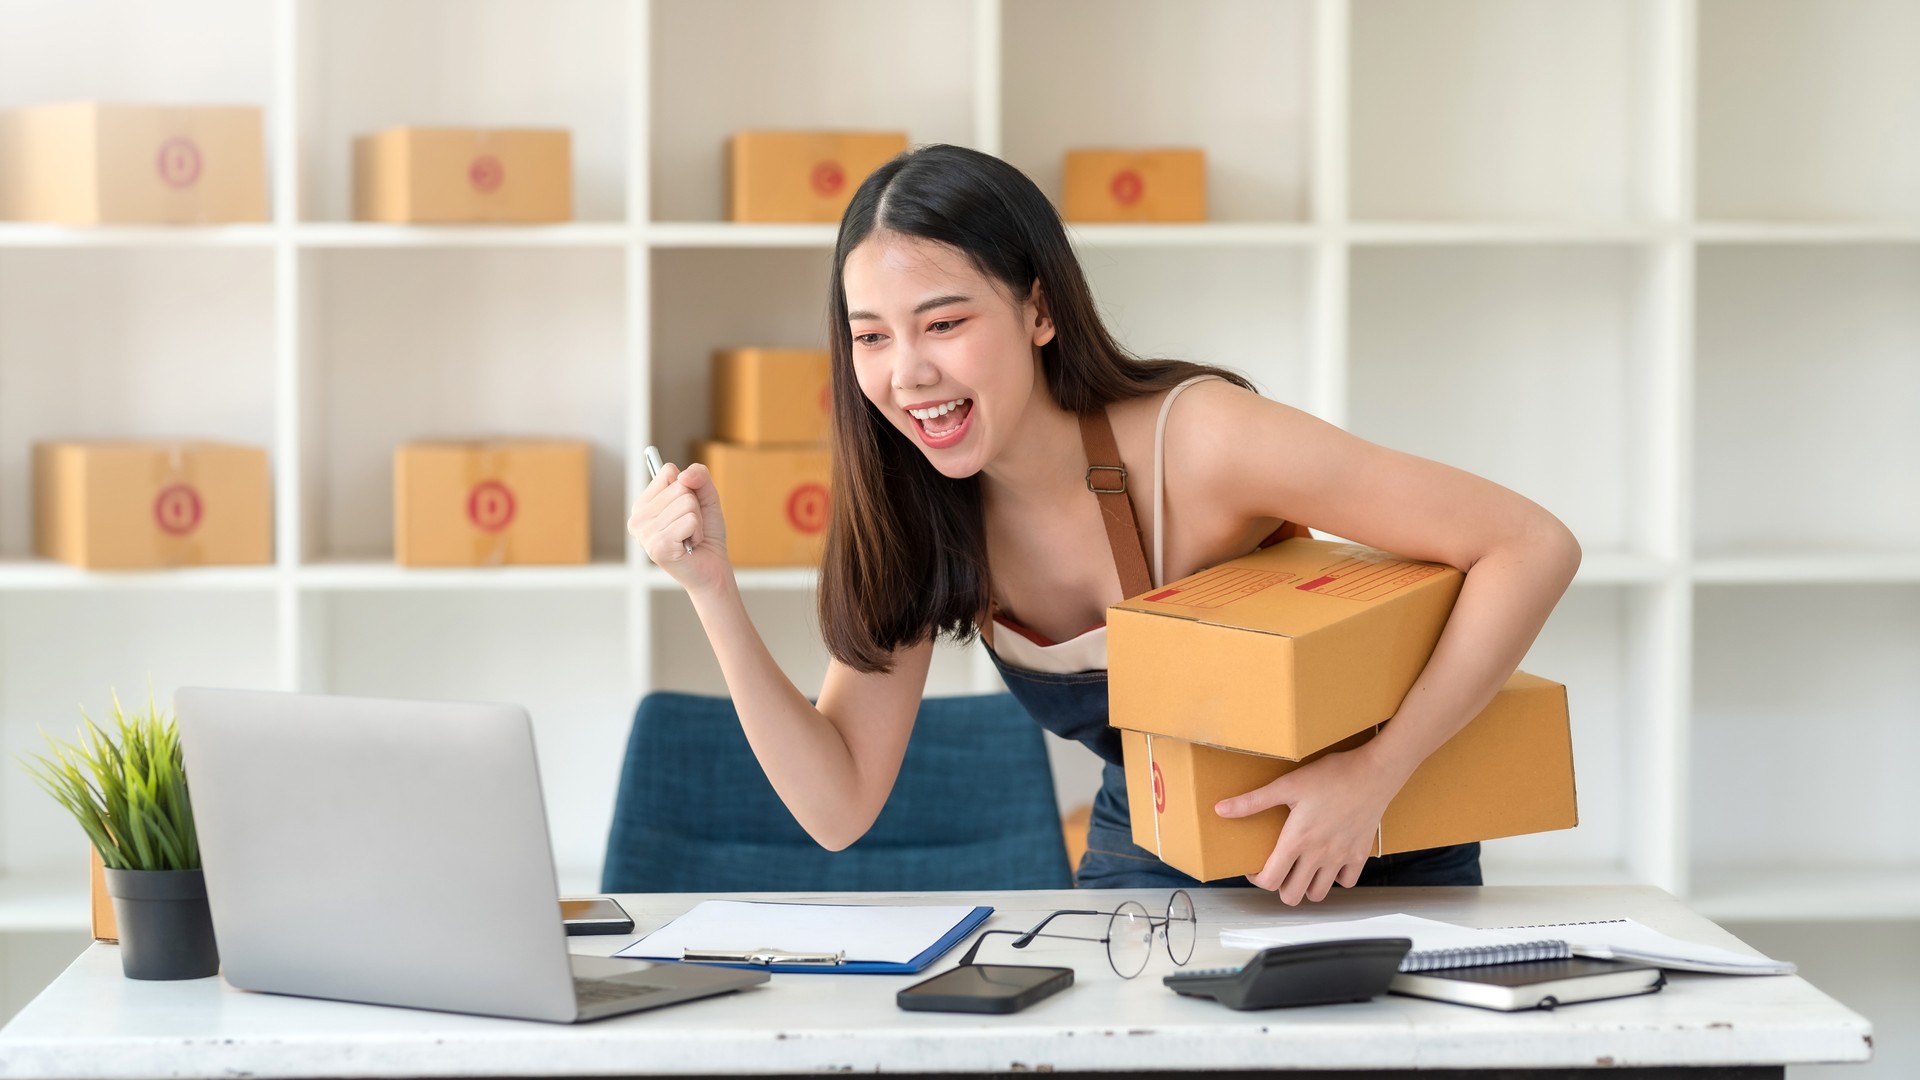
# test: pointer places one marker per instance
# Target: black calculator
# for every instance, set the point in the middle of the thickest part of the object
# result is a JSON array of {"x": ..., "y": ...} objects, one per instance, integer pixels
[{"x": 1316, "y": 973}]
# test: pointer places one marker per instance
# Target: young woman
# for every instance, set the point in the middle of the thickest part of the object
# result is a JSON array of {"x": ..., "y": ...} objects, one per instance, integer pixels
[{"x": 979, "y": 405}]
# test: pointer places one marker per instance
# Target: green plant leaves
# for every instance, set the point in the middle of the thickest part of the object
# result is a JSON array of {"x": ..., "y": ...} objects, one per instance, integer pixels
[{"x": 127, "y": 789}]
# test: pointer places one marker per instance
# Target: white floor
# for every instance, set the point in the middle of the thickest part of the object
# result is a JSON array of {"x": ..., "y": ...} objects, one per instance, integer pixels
[{"x": 1873, "y": 968}]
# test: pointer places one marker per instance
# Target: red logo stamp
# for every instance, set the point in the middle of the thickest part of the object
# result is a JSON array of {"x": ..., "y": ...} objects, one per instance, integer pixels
[
  {"x": 1127, "y": 187},
  {"x": 178, "y": 163},
  {"x": 490, "y": 506},
  {"x": 486, "y": 174},
  {"x": 826, "y": 399},
  {"x": 177, "y": 509},
  {"x": 828, "y": 178},
  {"x": 1159, "y": 791},
  {"x": 807, "y": 508}
]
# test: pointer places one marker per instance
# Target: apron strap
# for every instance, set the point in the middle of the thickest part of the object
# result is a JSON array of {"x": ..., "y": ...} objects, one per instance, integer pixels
[{"x": 1107, "y": 479}]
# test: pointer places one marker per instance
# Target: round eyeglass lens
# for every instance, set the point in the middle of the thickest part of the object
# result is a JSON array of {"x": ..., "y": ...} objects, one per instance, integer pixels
[
  {"x": 1182, "y": 927},
  {"x": 1129, "y": 939}
]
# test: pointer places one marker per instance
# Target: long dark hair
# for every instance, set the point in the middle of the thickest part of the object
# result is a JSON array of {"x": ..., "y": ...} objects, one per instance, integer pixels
[{"x": 906, "y": 555}]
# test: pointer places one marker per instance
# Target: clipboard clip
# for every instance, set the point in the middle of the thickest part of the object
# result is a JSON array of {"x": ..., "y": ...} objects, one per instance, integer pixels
[{"x": 764, "y": 957}]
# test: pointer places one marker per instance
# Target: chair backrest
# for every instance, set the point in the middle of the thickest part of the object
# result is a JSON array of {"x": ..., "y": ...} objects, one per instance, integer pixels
[{"x": 973, "y": 808}]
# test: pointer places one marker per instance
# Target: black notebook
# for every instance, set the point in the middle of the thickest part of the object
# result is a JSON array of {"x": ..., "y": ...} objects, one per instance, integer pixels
[{"x": 1532, "y": 984}]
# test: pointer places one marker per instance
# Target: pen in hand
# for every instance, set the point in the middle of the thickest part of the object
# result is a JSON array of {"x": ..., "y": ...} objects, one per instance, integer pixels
[{"x": 654, "y": 465}]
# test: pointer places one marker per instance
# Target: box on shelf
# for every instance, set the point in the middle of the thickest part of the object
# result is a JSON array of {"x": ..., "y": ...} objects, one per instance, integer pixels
[
  {"x": 1135, "y": 185},
  {"x": 802, "y": 175},
  {"x": 87, "y": 163},
  {"x": 1337, "y": 633},
  {"x": 1508, "y": 772},
  {"x": 763, "y": 397},
  {"x": 448, "y": 175},
  {"x": 120, "y": 505},
  {"x": 104, "y": 928},
  {"x": 774, "y": 499},
  {"x": 491, "y": 502}
]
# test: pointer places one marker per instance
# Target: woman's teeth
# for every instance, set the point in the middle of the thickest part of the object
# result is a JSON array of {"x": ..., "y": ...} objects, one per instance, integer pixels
[{"x": 937, "y": 410}]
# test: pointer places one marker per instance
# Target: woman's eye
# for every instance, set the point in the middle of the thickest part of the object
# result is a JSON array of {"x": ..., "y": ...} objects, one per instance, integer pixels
[
  {"x": 867, "y": 340},
  {"x": 944, "y": 325}
]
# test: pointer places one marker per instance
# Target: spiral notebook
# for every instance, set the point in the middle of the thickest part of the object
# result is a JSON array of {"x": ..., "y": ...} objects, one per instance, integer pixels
[{"x": 1439, "y": 945}]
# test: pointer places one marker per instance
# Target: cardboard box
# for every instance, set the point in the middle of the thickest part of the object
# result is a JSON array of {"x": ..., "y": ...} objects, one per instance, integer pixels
[
  {"x": 802, "y": 175},
  {"x": 491, "y": 502},
  {"x": 1281, "y": 652},
  {"x": 764, "y": 397},
  {"x": 1508, "y": 772},
  {"x": 774, "y": 499},
  {"x": 86, "y": 163},
  {"x": 104, "y": 928},
  {"x": 447, "y": 175},
  {"x": 119, "y": 505},
  {"x": 1135, "y": 185}
]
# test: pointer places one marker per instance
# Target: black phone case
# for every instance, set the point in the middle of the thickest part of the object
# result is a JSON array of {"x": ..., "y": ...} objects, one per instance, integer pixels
[
  {"x": 588, "y": 929},
  {"x": 915, "y": 999}
]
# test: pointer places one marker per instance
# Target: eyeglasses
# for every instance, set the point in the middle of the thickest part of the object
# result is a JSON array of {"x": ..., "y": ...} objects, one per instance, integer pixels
[{"x": 1129, "y": 936}]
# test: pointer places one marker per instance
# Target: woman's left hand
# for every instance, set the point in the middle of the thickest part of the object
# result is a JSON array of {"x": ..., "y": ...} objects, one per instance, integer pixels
[{"x": 1334, "y": 808}]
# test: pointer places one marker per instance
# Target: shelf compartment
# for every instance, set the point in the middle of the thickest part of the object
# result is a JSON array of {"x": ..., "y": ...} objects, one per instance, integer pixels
[
  {"x": 127, "y": 641},
  {"x": 894, "y": 67},
  {"x": 1498, "y": 110},
  {"x": 184, "y": 321},
  {"x": 1805, "y": 388},
  {"x": 367, "y": 65},
  {"x": 1529, "y": 366},
  {"x": 562, "y": 654},
  {"x": 1803, "y": 736},
  {"x": 420, "y": 344},
  {"x": 1229, "y": 77},
  {"x": 1809, "y": 111}
]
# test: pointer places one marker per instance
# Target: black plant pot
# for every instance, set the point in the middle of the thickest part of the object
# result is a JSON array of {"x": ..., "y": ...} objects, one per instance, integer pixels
[{"x": 166, "y": 930}]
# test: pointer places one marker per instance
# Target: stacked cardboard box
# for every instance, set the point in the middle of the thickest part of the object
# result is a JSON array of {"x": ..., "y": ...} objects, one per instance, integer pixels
[
  {"x": 768, "y": 454},
  {"x": 1223, "y": 681},
  {"x": 85, "y": 163},
  {"x": 1135, "y": 185},
  {"x": 450, "y": 175},
  {"x": 126, "y": 504},
  {"x": 802, "y": 176},
  {"x": 491, "y": 502}
]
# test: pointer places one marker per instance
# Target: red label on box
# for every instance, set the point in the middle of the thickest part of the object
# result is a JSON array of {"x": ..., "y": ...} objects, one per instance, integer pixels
[
  {"x": 177, "y": 509},
  {"x": 1127, "y": 187},
  {"x": 807, "y": 508},
  {"x": 828, "y": 178},
  {"x": 486, "y": 173},
  {"x": 1358, "y": 579},
  {"x": 490, "y": 506},
  {"x": 179, "y": 163},
  {"x": 1219, "y": 587},
  {"x": 1159, "y": 791}
]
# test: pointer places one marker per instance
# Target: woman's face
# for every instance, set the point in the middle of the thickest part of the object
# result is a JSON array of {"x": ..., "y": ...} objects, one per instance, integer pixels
[{"x": 943, "y": 352}]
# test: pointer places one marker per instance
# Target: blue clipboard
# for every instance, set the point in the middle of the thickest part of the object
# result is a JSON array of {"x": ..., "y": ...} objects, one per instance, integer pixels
[{"x": 967, "y": 924}]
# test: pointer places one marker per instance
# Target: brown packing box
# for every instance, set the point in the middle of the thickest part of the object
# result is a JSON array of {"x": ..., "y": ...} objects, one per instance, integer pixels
[
  {"x": 802, "y": 175},
  {"x": 490, "y": 502},
  {"x": 1281, "y": 652},
  {"x": 120, "y": 505},
  {"x": 774, "y": 499},
  {"x": 1508, "y": 772},
  {"x": 87, "y": 163},
  {"x": 446, "y": 175},
  {"x": 1135, "y": 185},
  {"x": 104, "y": 928},
  {"x": 769, "y": 396}
]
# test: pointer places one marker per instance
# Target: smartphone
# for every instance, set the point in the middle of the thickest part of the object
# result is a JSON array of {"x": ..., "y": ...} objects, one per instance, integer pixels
[
  {"x": 594, "y": 915},
  {"x": 985, "y": 988},
  {"x": 654, "y": 465}
]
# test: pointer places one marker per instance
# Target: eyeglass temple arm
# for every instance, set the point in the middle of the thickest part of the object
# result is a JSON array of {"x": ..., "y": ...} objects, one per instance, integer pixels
[
  {"x": 974, "y": 949},
  {"x": 1027, "y": 938}
]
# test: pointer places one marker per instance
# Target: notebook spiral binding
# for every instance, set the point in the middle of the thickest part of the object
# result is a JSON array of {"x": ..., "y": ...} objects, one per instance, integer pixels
[
  {"x": 1440, "y": 959},
  {"x": 1554, "y": 925}
]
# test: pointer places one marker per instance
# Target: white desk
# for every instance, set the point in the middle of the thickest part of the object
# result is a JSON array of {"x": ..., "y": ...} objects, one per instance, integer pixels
[{"x": 92, "y": 1022}]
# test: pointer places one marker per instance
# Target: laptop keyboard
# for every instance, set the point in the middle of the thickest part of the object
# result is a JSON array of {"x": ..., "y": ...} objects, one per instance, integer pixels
[{"x": 602, "y": 991}]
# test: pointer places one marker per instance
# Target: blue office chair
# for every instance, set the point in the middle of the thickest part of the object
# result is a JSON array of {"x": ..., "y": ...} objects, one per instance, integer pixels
[{"x": 973, "y": 808}]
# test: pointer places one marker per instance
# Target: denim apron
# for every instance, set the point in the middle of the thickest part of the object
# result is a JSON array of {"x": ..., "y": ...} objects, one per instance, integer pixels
[{"x": 1074, "y": 706}]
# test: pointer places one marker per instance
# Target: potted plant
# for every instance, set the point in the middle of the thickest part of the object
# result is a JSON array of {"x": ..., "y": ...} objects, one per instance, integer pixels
[{"x": 128, "y": 790}]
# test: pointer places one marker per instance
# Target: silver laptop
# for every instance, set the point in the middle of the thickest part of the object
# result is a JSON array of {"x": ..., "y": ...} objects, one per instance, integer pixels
[{"x": 396, "y": 853}]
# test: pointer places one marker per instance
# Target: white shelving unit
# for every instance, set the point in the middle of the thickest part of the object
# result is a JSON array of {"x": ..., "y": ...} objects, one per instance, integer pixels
[{"x": 1653, "y": 263}]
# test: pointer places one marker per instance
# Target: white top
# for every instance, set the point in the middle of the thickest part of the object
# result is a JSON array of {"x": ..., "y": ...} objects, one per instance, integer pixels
[
  {"x": 1088, "y": 651},
  {"x": 92, "y": 1022}
]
